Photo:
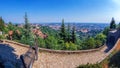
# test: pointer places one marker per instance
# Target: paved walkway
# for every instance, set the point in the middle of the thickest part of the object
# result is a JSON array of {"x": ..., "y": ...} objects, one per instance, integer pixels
[
  {"x": 12, "y": 52},
  {"x": 57, "y": 60}
]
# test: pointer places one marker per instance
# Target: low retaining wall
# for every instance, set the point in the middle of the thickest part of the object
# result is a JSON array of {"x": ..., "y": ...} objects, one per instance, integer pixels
[
  {"x": 58, "y": 51},
  {"x": 69, "y": 52}
]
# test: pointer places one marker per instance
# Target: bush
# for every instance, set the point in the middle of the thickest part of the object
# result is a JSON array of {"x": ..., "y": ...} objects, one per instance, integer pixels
[
  {"x": 90, "y": 66},
  {"x": 1, "y": 37},
  {"x": 70, "y": 46},
  {"x": 41, "y": 43}
]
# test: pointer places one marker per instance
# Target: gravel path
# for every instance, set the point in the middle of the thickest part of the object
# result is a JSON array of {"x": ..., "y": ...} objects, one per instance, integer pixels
[{"x": 57, "y": 60}]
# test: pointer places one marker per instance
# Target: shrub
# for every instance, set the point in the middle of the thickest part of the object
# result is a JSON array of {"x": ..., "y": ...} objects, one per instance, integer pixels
[{"x": 90, "y": 66}]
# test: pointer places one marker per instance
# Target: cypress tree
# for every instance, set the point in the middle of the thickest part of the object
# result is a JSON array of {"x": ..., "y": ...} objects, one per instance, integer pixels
[
  {"x": 27, "y": 31},
  {"x": 27, "y": 25},
  {"x": 63, "y": 31},
  {"x": 2, "y": 25},
  {"x": 68, "y": 33},
  {"x": 73, "y": 35},
  {"x": 112, "y": 24}
]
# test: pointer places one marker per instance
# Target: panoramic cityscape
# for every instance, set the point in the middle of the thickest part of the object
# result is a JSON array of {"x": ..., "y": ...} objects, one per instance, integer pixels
[{"x": 60, "y": 34}]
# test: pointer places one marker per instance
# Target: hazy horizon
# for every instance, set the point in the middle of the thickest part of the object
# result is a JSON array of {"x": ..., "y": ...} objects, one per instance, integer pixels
[{"x": 61, "y": 22}]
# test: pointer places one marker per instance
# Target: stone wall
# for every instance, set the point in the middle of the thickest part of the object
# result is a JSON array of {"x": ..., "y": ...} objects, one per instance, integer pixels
[
  {"x": 58, "y": 51},
  {"x": 113, "y": 37}
]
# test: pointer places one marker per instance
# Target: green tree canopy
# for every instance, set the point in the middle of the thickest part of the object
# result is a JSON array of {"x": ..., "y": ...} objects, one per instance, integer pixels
[
  {"x": 89, "y": 43},
  {"x": 63, "y": 31},
  {"x": 101, "y": 37},
  {"x": 106, "y": 31},
  {"x": 10, "y": 26},
  {"x": 112, "y": 24},
  {"x": 27, "y": 24},
  {"x": 68, "y": 33},
  {"x": 73, "y": 35},
  {"x": 2, "y": 24}
]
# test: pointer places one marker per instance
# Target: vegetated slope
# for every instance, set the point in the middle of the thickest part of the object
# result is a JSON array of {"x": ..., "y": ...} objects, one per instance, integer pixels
[
  {"x": 56, "y": 41},
  {"x": 48, "y": 30}
]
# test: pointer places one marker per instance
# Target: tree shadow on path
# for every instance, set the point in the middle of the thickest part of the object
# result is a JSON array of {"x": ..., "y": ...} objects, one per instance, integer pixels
[{"x": 7, "y": 57}]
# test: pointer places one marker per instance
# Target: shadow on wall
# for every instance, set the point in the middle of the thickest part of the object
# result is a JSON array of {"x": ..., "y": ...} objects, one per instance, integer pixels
[
  {"x": 110, "y": 43},
  {"x": 112, "y": 38},
  {"x": 7, "y": 58}
]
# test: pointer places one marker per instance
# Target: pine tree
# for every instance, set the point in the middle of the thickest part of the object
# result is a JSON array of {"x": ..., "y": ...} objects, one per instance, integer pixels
[
  {"x": 112, "y": 24},
  {"x": 63, "y": 31},
  {"x": 27, "y": 32},
  {"x": 73, "y": 35},
  {"x": 2, "y": 25},
  {"x": 27, "y": 25},
  {"x": 68, "y": 33}
]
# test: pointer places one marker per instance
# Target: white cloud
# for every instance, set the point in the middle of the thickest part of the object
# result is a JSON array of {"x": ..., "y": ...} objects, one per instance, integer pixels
[{"x": 117, "y": 2}]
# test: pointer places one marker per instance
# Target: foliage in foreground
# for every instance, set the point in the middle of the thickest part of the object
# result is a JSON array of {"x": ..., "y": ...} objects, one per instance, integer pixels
[{"x": 90, "y": 66}]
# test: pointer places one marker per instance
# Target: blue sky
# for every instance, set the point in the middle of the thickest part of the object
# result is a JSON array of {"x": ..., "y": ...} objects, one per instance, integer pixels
[{"x": 54, "y": 10}]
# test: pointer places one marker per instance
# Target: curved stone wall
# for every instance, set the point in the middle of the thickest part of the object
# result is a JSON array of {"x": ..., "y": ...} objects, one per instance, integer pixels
[{"x": 58, "y": 51}]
